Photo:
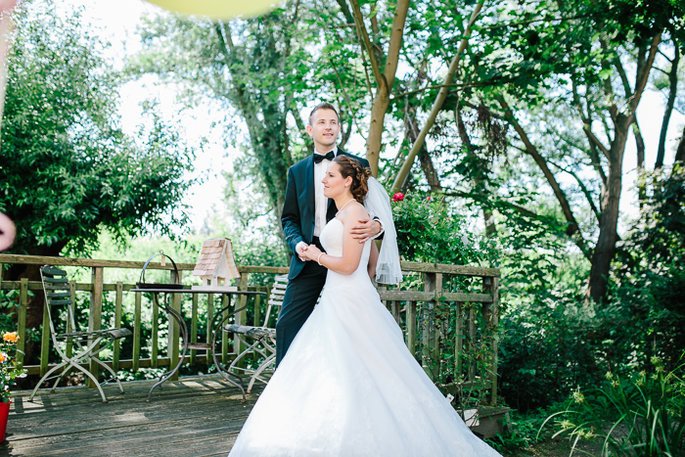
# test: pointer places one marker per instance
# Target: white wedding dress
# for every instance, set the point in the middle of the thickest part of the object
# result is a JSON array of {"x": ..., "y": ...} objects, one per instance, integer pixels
[{"x": 349, "y": 387}]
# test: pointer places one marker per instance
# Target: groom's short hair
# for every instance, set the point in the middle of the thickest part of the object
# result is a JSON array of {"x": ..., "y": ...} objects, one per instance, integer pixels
[{"x": 323, "y": 105}]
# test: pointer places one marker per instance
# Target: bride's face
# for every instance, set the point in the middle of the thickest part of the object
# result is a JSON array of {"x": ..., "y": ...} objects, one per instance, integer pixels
[{"x": 333, "y": 183}]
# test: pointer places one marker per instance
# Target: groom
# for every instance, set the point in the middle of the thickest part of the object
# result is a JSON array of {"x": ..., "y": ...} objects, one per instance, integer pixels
[{"x": 305, "y": 213}]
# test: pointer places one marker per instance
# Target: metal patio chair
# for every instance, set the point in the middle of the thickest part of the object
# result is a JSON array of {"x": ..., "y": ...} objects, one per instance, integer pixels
[
  {"x": 85, "y": 344},
  {"x": 260, "y": 340}
]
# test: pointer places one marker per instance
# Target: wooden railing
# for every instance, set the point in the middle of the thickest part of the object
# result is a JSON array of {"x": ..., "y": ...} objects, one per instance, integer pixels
[{"x": 448, "y": 313}]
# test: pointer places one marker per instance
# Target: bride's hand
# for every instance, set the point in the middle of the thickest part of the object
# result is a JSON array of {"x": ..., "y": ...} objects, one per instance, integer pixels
[{"x": 311, "y": 253}]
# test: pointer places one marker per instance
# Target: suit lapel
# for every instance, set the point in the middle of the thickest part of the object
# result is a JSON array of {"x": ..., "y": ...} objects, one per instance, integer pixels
[
  {"x": 309, "y": 179},
  {"x": 310, "y": 192}
]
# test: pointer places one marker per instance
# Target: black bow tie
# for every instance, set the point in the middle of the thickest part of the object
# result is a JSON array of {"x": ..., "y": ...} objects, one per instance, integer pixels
[{"x": 319, "y": 157}]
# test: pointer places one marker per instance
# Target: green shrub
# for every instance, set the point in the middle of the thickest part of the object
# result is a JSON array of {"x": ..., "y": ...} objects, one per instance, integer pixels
[{"x": 641, "y": 414}]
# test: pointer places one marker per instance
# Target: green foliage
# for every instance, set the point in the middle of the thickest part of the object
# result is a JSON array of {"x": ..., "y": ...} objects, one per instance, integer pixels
[
  {"x": 67, "y": 170},
  {"x": 646, "y": 314},
  {"x": 523, "y": 431},
  {"x": 639, "y": 415},
  {"x": 428, "y": 230},
  {"x": 546, "y": 343},
  {"x": 259, "y": 68}
]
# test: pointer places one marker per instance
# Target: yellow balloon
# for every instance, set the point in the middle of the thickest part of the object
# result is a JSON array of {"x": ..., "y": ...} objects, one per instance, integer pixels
[{"x": 218, "y": 9}]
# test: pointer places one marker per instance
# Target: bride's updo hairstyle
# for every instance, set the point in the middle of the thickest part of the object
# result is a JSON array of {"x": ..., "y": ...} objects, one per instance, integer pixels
[{"x": 360, "y": 175}]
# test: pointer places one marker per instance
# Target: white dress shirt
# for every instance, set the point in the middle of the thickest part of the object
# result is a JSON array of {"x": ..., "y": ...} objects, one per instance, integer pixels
[{"x": 320, "y": 200}]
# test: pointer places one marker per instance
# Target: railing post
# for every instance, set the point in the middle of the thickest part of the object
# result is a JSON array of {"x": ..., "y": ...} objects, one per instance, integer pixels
[
  {"x": 174, "y": 328},
  {"x": 472, "y": 344},
  {"x": 45, "y": 340},
  {"x": 210, "y": 317},
  {"x": 95, "y": 317},
  {"x": 224, "y": 341},
  {"x": 411, "y": 327},
  {"x": 154, "y": 350},
  {"x": 136, "y": 332},
  {"x": 257, "y": 311},
  {"x": 491, "y": 314},
  {"x": 193, "y": 328},
  {"x": 430, "y": 350},
  {"x": 118, "y": 299},
  {"x": 21, "y": 318},
  {"x": 69, "y": 346},
  {"x": 241, "y": 317},
  {"x": 459, "y": 339}
]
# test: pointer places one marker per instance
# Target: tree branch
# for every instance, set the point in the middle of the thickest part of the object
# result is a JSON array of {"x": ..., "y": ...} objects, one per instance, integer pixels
[
  {"x": 680, "y": 151},
  {"x": 487, "y": 83},
  {"x": 392, "y": 59},
  {"x": 365, "y": 41},
  {"x": 381, "y": 99},
  {"x": 624, "y": 78},
  {"x": 668, "y": 110},
  {"x": 587, "y": 128},
  {"x": 583, "y": 187},
  {"x": 642, "y": 74},
  {"x": 640, "y": 145},
  {"x": 573, "y": 229},
  {"x": 437, "y": 105},
  {"x": 346, "y": 11}
]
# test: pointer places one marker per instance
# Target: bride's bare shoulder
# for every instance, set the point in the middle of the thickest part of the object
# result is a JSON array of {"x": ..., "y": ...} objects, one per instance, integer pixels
[{"x": 353, "y": 213}]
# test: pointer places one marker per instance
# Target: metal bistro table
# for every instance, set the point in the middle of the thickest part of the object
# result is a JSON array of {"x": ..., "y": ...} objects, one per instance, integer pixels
[{"x": 213, "y": 329}]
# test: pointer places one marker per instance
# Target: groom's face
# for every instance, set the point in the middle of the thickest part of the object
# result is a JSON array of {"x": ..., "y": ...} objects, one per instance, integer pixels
[{"x": 324, "y": 129}]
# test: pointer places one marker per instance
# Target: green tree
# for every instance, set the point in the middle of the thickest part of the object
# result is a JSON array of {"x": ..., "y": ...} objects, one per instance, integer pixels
[
  {"x": 66, "y": 170},
  {"x": 572, "y": 76},
  {"x": 259, "y": 69}
]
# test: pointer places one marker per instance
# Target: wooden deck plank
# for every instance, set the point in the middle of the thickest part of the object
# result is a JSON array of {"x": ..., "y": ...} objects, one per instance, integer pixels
[{"x": 198, "y": 416}]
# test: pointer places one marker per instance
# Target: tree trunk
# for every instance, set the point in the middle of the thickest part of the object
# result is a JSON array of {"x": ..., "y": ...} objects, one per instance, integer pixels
[
  {"x": 411, "y": 133},
  {"x": 604, "y": 251},
  {"x": 572, "y": 228},
  {"x": 640, "y": 146},
  {"x": 429, "y": 171},
  {"x": 680, "y": 151},
  {"x": 437, "y": 104},
  {"x": 672, "y": 89},
  {"x": 384, "y": 80},
  {"x": 269, "y": 138},
  {"x": 488, "y": 216}
]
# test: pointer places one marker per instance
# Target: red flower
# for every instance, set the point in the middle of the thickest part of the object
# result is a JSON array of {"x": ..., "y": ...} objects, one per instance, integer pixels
[{"x": 398, "y": 197}]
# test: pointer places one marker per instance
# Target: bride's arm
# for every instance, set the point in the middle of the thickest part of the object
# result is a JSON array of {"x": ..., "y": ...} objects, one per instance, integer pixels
[
  {"x": 373, "y": 260},
  {"x": 352, "y": 249}
]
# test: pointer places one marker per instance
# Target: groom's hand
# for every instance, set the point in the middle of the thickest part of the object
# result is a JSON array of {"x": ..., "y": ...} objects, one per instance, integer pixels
[{"x": 365, "y": 229}]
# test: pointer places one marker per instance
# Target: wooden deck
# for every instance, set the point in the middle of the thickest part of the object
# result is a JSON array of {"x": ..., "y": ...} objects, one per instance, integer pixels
[{"x": 197, "y": 416}]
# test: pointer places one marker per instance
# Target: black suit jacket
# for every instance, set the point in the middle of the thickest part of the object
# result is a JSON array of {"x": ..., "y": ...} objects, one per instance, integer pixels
[{"x": 297, "y": 217}]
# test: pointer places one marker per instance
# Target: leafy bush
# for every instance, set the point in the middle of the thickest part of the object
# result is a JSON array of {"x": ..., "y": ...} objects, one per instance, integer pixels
[
  {"x": 639, "y": 415},
  {"x": 429, "y": 231},
  {"x": 522, "y": 431},
  {"x": 646, "y": 314}
]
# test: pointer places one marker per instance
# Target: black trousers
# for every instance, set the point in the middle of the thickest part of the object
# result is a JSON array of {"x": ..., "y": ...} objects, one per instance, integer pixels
[{"x": 298, "y": 303}]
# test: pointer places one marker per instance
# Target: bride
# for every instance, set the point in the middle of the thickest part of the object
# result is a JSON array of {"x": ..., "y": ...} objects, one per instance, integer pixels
[{"x": 348, "y": 386}]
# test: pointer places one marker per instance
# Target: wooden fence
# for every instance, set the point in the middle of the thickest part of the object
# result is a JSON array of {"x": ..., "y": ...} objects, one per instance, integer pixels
[{"x": 448, "y": 313}]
